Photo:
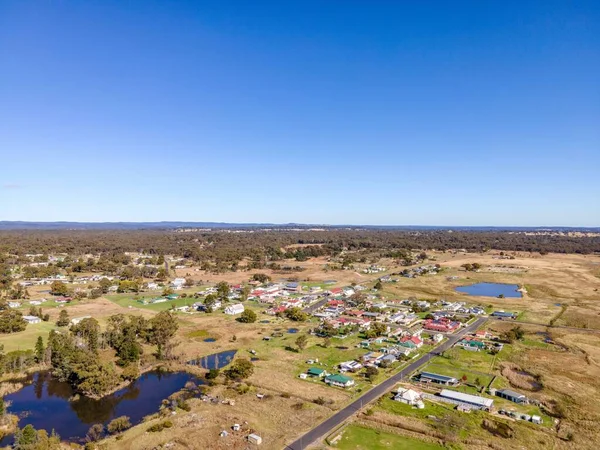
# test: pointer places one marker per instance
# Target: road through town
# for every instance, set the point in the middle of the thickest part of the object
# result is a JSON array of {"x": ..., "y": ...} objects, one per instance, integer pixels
[{"x": 338, "y": 418}]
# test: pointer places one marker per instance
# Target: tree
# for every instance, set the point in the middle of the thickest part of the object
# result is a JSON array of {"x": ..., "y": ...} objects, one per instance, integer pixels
[
  {"x": 223, "y": 290},
  {"x": 189, "y": 282},
  {"x": 11, "y": 321},
  {"x": 376, "y": 329},
  {"x": 295, "y": 314},
  {"x": 59, "y": 288},
  {"x": 89, "y": 331},
  {"x": 104, "y": 284},
  {"x": 302, "y": 342},
  {"x": 63, "y": 318},
  {"x": 378, "y": 286},
  {"x": 212, "y": 374},
  {"x": 95, "y": 432},
  {"x": 371, "y": 372},
  {"x": 39, "y": 349},
  {"x": 245, "y": 293},
  {"x": 248, "y": 316},
  {"x": 118, "y": 425},
  {"x": 240, "y": 369},
  {"x": 163, "y": 327},
  {"x": 261, "y": 277},
  {"x": 210, "y": 302},
  {"x": 25, "y": 438}
]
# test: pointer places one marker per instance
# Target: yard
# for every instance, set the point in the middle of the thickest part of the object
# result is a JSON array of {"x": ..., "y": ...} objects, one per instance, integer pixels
[
  {"x": 356, "y": 437},
  {"x": 25, "y": 340}
]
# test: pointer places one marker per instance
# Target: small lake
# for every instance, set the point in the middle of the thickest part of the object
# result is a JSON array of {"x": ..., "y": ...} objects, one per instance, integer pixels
[
  {"x": 44, "y": 403},
  {"x": 491, "y": 290},
  {"x": 210, "y": 340},
  {"x": 214, "y": 361},
  {"x": 292, "y": 330}
]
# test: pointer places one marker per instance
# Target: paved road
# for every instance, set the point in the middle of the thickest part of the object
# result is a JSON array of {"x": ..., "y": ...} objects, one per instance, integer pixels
[
  {"x": 312, "y": 308},
  {"x": 379, "y": 390}
]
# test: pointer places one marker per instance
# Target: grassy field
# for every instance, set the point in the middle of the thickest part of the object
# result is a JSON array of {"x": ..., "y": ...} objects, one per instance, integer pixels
[
  {"x": 25, "y": 340},
  {"x": 357, "y": 437}
]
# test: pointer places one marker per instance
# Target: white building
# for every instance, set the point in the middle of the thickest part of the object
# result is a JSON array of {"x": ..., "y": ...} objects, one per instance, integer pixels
[
  {"x": 236, "y": 308},
  {"x": 32, "y": 319},
  {"x": 409, "y": 397},
  {"x": 178, "y": 283}
]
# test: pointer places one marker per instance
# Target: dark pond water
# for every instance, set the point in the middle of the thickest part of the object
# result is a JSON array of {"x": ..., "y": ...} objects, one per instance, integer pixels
[
  {"x": 254, "y": 358},
  {"x": 214, "y": 361},
  {"x": 210, "y": 340},
  {"x": 491, "y": 290},
  {"x": 265, "y": 321},
  {"x": 292, "y": 330},
  {"x": 44, "y": 403}
]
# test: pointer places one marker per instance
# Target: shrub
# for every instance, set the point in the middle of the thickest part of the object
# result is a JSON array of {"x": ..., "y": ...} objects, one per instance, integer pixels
[
  {"x": 118, "y": 425},
  {"x": 158, "y": 427}
]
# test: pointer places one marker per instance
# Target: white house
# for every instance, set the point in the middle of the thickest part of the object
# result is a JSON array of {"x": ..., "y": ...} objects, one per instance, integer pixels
[
  {"x": 32, "y": 319},
  {"x": 350, "y": 365},
  {"x": 153, "y": 286},
  {"x": 178, "y": 283},
  {"x": 408, "y": 396},
  {"x": 236, "y": 308},
  {"x": 14, "y": 304}
]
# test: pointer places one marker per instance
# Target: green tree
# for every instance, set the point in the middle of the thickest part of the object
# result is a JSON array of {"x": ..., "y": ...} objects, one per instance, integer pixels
[
  {"x": 163, "y": 327},
  {"x": 248, "y": 316},
  {"x": 209, "y": 302},
  {"x": 223, "y": 290},
  {"x": 104, "y": 284},
  {"x": 118, "y": 425},
  {"x": 25, "y": 438},
  {"x": 89, "y": 331},
  {"x": 295, "y": 314},
  {"x": 59, "y": 288},
  {"x": 39, "y": 349},
  {"x": 63, "y": 318},
  {"x": 245, "y": 293},
  {"x": 212, "y": 374},
  {"x": 12, "y": 321},
  {"x": 378, "y": 286},
  {"x": 240, "y": 369},
  {"x": 301, "y": 342},
  {"x": 371, "y": 373}
]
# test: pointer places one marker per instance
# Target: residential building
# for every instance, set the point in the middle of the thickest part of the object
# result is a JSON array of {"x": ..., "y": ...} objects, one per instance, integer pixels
[
  {"x": 236, "y": 308},
  {"x": 339, "y": 381},
  {"x": 409, "y": 397},
  {"x": 32, "y": 319},
  {"x": 316, "y": 372}
]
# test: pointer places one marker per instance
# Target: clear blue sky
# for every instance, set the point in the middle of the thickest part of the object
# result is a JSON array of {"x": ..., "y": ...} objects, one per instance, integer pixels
[{"x": 363, "y": 112}]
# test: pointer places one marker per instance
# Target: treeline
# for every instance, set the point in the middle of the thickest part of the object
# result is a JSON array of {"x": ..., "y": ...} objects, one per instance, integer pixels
[
  {"x": 74, "y": 355},
  {"x": 261, "y": 247}
]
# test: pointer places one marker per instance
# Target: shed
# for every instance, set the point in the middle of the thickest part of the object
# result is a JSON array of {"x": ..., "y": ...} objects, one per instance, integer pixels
[
  {"x": 475, "y": 400},
  {"x": 254, "y": 439},
  {"x": 511, "y": 395}
]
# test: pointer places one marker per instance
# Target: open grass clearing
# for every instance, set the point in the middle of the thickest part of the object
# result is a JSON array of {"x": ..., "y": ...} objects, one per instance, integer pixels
[{"x": 356, "y": 437}]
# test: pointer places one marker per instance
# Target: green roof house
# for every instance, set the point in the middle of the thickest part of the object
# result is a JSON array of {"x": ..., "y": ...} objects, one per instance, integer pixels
[
  {"x": 339, "y": 380},
  {"x": 316, "y": 372}
]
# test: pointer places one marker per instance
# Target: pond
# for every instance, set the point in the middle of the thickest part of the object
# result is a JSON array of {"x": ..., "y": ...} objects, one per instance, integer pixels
[
  {"x": 210, "y": 340},
  {"x": 292, "y": 330},
  {"x": 214, "y": 361},
  {"x": 491, "y": 290},
  {"x": 44, "y": 403}
]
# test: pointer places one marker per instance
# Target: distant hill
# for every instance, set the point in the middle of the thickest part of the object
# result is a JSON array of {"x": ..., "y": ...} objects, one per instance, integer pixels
[{"x": 22, "y": 225}]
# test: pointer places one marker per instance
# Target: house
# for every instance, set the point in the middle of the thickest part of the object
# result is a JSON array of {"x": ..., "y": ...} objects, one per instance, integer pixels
[
  {"x": 339, "y": 381},
  {"x": 236, "y": 308},
  {"x": 372, "y": 357},
  {"x": 316, "y": 372},
  {"x": 443, "y": 325},
  {"x": 14, "y": 304},
  {"x": 409, "y": 397},
  {"x": 35, "y": 302},
  {"x": 32, "y": 319},
  {"x": 178, "y": 283},
  {"x": 293, "y": 287},
  {"x": 472, "y": 400},
  {"x": 350, "y": 365},
  {"x": 153, "y": 286},
  {"x": 388, "y": 360},
  {"x": 504, "y": 315},
  {"x": 438, "y": 337},
  {"x": 428, "y": 377},
  {"x": 536, "y": 419},
  {"x": 481, "y": 334},
  {"x": 76, "y": 320},
  {"x": 511, "y": 395},
  {"x": 471, "y": 344},
  {"x": 254, "y": 439},
  {"x": 411, "y": 342}
]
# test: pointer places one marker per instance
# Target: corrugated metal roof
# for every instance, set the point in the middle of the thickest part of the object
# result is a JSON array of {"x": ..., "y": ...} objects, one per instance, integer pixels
[
  {"x": 510, "y": 393},
  {"x": 435, "y": 376},
  {"x": 467, "y": 398}
]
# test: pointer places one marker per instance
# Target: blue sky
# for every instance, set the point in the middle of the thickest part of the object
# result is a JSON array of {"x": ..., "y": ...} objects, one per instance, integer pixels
[{"x": 362, "y": 112}]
